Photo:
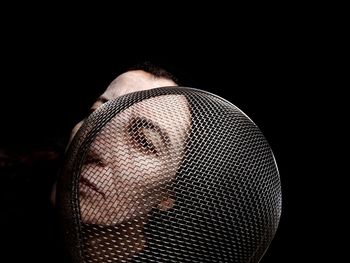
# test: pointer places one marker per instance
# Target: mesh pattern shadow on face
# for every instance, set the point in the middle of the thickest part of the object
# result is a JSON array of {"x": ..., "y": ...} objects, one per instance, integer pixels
[{"x": 170, "y": 175}]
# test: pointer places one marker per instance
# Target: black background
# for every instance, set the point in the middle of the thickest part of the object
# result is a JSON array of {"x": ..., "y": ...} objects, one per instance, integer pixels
[{"x": 277, "y": 70}]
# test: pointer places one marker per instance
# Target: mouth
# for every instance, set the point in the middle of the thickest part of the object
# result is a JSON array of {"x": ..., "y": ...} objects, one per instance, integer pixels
[{"x": 91, "y": 185}]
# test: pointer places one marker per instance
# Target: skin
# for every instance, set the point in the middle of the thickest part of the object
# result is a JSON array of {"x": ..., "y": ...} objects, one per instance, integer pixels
[
  {"x": 128, "y": 82},
  {"x": 122, "y": 182},
  {"x": 144, "y": 146}
]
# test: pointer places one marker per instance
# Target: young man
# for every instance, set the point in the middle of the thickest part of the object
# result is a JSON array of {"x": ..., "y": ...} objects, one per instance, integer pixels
[
  {"x": 143, "y": 76},
  {"x": 131, "y": 162}
]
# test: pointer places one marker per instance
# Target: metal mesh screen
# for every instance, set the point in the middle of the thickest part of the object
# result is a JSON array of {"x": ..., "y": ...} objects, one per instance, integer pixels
[{"x": 169, "y": 175}]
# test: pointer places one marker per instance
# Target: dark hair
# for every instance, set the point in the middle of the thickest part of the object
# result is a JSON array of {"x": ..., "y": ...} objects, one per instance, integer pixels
[{"x": 156, "y": 71}]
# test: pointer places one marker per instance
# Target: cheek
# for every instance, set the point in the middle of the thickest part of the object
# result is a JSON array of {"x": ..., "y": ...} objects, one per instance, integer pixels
[
  {"x": 140, "y": 168},
  {"x": 103, "y": 177}
]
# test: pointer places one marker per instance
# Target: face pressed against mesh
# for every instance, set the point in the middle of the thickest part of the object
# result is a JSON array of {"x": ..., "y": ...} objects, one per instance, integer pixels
[
  {"x": 137, "y": 153},
  {"x": 170, "y": 175},
  {"x": 140, "y": 77}
]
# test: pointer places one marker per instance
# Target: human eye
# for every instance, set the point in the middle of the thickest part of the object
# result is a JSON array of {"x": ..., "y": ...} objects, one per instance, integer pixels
[
  {"x": 145, "y": 136},
  {"x": 93, "y": 158}
]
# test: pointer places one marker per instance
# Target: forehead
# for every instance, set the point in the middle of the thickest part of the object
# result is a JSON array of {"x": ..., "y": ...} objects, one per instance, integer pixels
[
  {"x": 133, "y": 81},
  {"x": 169, "y": 110}
]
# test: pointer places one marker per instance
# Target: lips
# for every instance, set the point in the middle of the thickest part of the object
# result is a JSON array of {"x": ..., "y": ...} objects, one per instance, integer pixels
[{"x": 91, "y": 185}]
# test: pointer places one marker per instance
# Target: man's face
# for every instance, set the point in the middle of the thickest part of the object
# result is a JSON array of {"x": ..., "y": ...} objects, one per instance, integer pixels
[
  {"x": 133, "y": 159},
  {"x": 135, "y": 154},
  {"x": 125, "y": 83}
]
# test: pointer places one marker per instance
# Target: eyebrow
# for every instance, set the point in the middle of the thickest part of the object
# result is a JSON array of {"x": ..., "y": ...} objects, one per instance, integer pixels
[{"x": 93, "y": 155}]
